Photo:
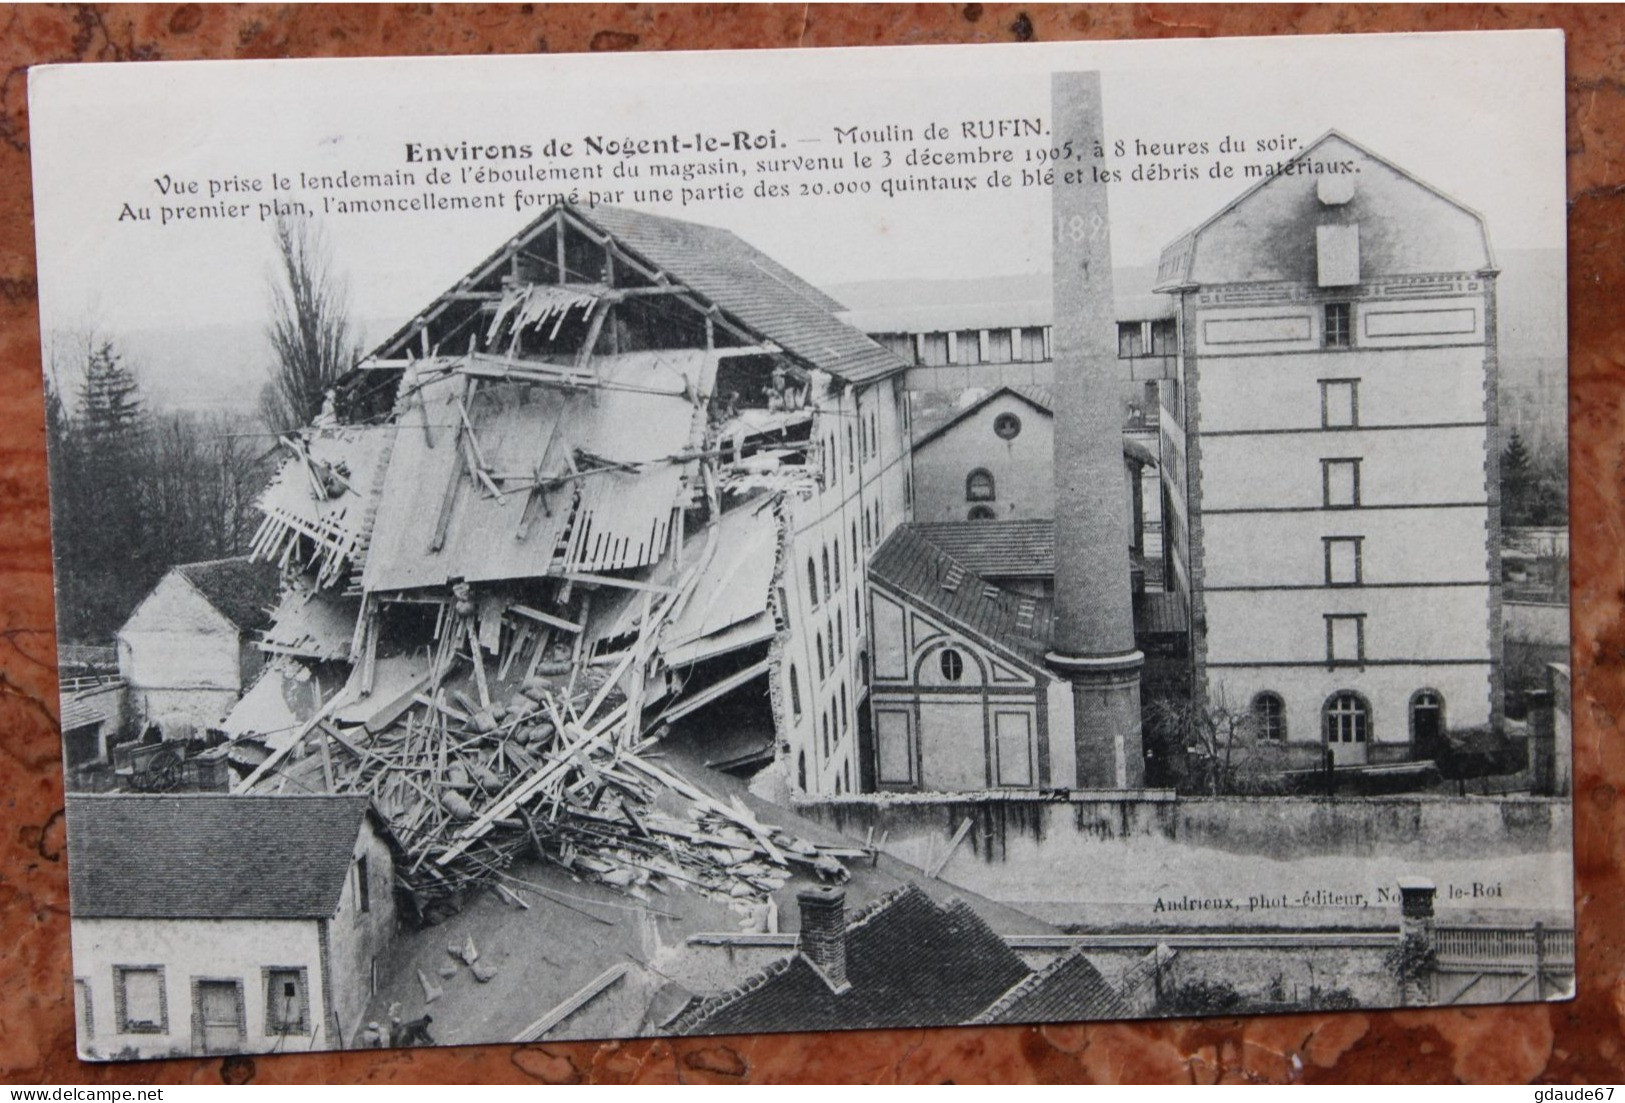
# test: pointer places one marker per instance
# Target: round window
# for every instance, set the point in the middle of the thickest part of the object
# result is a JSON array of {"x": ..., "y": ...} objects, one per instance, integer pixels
[
  {"x": 1007, "y": 426},
  {"x": 953, "y": 665}
]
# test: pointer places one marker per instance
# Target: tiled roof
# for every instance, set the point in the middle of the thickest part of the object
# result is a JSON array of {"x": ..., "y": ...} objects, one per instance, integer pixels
[
  {"x": 909, "y": 960},
  {"x": 997, "y": 549},
  {"x": 1068, "y": 989},
  {"x": 210, "y": 856},
  {"x": 95, "y": 706},
  {"x": 919, "y": 570},
  {"x": 244, "y": 591},
  {"x": 753, "y": 287}
]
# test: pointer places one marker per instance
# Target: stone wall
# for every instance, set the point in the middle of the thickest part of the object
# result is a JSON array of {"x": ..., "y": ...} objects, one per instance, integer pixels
[{"x": 1091, "y": 863}]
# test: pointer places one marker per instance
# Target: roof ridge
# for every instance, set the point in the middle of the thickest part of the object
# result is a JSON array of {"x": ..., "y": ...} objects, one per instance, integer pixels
[{"x": 709, "y": 1006}]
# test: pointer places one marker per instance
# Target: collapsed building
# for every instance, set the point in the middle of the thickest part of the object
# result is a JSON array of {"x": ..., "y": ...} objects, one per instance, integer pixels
[{"x": 626, "y": 471}]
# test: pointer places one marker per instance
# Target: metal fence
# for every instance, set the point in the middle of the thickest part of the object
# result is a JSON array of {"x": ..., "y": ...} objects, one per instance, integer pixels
[{"x": 1505, "y": 945}]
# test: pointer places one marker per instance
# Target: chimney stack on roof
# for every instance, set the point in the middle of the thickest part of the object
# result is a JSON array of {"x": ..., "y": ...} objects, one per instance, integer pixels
[{"x": 823, "y": 932}]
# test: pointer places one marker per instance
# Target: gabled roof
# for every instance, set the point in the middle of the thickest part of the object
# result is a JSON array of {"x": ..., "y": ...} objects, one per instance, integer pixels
[
  {"x": 923, "y": 573},
  {"x": 1067, "y": 989},
  {"x": 909, "y": 960},
  {"x": 242, "y": 590},
  {"x": 209, "y": 856},
  {"x": 1042, "y": 400},
  {"x": 1422, "y": 243},
  {"x": 751, "y": 286},
  {"x": 744, "y": 282},
  {"x": 1038, "y": 398}
]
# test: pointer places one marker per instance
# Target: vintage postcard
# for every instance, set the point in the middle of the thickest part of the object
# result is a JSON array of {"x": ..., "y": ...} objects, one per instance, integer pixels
[{"x": 597, "y": 546}]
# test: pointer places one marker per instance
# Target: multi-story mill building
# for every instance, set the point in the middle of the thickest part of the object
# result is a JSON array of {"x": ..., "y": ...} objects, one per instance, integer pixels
[{"x": 1331, "y": 491}]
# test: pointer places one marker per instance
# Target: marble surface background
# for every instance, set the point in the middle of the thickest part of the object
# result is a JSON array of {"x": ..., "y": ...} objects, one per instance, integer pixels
[{"x": 1576, "y": 1042}]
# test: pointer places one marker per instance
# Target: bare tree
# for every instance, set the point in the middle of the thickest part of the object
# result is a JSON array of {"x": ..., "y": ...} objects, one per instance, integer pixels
[
  {"x": 1218, "y": 745},
  {"x": 310, "y": 331}
]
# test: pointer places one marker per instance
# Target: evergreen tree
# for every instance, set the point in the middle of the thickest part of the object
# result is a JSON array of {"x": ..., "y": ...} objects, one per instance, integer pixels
[
  {"x": 1517, "y": 483},
  {"x": 106, "y": 554}
]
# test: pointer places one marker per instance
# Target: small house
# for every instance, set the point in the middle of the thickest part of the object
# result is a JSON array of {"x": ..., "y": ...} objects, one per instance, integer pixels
[
  {"x": 187, "y": 652},
  {"x": 206, "y": 924}
]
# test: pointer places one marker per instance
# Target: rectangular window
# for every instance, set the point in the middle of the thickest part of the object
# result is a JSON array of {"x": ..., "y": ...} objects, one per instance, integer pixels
[
  {"x": 363, "y": 885},
  {"x": 1343, "y": 560},
  {"x": 1345, "y": 639},
  {"x": 999, "y": 346},
  {"x": 139, "y": 992},
  {"x": 1340, "y": 483},
  {"x": 933, "y": 349},
  {"x": 82, "y": 1011},
  {"x": 287, "y": 1001},
  {"x": 1164, "y": 337},
  {"x": 967, "y": 346},
  {"x": 1339, "y": 403},
  {"x": 1130, "y": 340},
  {"x": 1338, "y": 332},
  {"x": 1033, "y": 344}
]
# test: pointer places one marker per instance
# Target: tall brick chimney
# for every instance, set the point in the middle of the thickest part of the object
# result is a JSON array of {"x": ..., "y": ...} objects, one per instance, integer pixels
[
  {"x": 823, "y": 932},
  {"x": 1094, "y": 612}
]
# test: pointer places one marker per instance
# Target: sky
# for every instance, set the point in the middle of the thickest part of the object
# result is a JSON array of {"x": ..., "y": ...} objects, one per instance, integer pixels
[{"x": 1479, "y": 116}]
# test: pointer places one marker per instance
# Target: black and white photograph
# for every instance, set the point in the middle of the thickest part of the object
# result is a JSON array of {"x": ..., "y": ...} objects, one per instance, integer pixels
[{"x": 563, "y": 547}]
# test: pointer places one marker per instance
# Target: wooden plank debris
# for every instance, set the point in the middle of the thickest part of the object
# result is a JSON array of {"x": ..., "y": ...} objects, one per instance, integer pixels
[{"x": 585, "y": 995}]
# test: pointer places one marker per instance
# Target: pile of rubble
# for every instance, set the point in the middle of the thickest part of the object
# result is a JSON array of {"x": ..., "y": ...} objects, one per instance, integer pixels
[{"x": 506, "y": 737}]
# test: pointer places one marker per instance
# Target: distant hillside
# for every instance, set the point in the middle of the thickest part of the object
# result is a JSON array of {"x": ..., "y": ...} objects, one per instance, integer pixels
[{"x": 208, "y": 367}]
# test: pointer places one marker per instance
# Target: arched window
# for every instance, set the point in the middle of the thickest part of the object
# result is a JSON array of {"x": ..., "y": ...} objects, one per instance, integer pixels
[
  {"x": 981, "y": 513},
  {"x": 854, "y": 545},
  {"x": 784, "y": 609},
  {"x": 1007, "y": 426},
  {"x": 846, "y": 712},
  {"x": 979, "y": 486},
  {"x": 826, "y": 571},
  {"x": 818, "y": 649},
  {"x": 1348, "y": 718},
  {"x": 840, "y": 634},
  {"x": 857, "y": 615},
  {"x": 795, "y": 692},
  {"x": 952, "y": 663},
  {"x": 836, "y": 569},
  {"x": 826, "y": 735},
  {"x": 831, "y": 630},
  {"x": 812, "y": 582},
  {"x": 1427, "y": 719},
  {"x": 851, "y": 447},
  {"x": 1269, "y": 714},
  {"x": 801, "y": 770}
]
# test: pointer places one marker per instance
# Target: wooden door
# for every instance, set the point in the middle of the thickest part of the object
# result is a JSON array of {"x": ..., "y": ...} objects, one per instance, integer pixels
[{"x": 219, "y": 1010}]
